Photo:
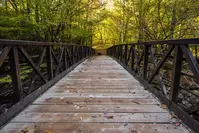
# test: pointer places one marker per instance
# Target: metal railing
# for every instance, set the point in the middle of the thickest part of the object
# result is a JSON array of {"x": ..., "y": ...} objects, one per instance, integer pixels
[
  {"x": 170, "y": 69},
  {"x": 28, "y": 68}
]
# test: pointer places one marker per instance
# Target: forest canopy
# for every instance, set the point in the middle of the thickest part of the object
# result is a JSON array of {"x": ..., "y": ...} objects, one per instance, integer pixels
[{"x": 100, "y": 22}]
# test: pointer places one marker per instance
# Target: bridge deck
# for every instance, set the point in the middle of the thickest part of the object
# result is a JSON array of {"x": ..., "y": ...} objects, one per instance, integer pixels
[{"x": 98, "y": 96}]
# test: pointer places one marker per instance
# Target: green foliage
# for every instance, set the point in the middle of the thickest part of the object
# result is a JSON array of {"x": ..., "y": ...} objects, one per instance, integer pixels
[
  {"x": 109, "y": 22},
  {"x": 144, "y": 20},
  {"x": 49, "y": 20}
]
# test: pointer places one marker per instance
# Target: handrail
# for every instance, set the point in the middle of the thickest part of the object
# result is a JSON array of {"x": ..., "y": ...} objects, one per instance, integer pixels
[
  {"x": 28, "y": 68},
  {"x": 150, "y": 63},
  {"x": 172, "y": 41},
  {"x": 24, "y": 42}
]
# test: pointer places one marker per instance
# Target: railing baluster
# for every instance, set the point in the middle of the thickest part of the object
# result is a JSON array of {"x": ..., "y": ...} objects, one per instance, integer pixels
[
  {"x": 121, "y": 52},
  {"x": 15, "y": 73},
  {"x": 132, "y": 58},
  {"x": 65, "y": 60},
  {"x": 176, "y": 73},
  {"x": 118, "y": 52},
  {"x": 125, "y": 54},
  {"x": 49, "y": 62},
  {"x": 72, "y": 54},
  {"x": 146, "y": 55}
]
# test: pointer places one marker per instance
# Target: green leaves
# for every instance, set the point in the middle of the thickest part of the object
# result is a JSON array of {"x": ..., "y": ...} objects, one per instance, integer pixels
[{"x": 49, "y": 20}]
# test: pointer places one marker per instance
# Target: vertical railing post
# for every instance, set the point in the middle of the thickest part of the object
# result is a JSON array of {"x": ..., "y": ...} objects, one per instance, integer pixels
[
  {"x": 146, "y": 54},
  {"x": 121, "y": 48},
  {"x": 125, "y": 54},
  {"x": 176, "y": 73},
  {"x": 80, "y": 54},
  {"x": 86, "y": 51},
  {"x": 118, "y": 49},
  {"x": 132, "y": 59},
  {"x": 196, "y": 51},
  {"x": 76, "y": 53},
  {"x": 118, "y": 52},
  {"x": 65, "y": 61},
  {"x": 89, "y": 51},
  {"x": 49, "y": 62},
  {"x": 83, "y": 55},
  {"x": 15, "y": 73},
  {"x": 72, "y": 54},
  {"x": 114, "y": 51}
]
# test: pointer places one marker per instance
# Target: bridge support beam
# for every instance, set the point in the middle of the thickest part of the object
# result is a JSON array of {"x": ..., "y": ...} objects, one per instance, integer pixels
[{"x": 176, "y": 73}]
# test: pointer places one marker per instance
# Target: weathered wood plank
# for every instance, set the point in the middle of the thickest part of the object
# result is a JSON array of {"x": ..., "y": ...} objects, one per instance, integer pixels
[
  {"x": 95, "y": 108},
  {"x": 94, "y": 117},
  {"x": 92, "y": 95},
  {"x": 107, "y": 101},
  {"x": 94, "y": 128},
  {"x": 135, "y": 90},
  {"x": 99, "y": 86}
]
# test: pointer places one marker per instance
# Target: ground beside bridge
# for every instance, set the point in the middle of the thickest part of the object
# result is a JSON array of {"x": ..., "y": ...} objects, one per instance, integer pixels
[{"x": 97, "y": 96}]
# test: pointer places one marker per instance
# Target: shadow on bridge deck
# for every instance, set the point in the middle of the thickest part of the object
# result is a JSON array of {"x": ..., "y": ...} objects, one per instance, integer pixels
[{"x": 98, "y": 96}]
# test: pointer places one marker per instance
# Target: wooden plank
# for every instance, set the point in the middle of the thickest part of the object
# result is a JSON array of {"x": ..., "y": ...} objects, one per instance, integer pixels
[
  {"x": 95, "y": 108},
  {"x": 99, "y": 101},
  {"x": 94, "y": 117},
  {"x": 99, "y": 80},
  {"x": 96, "y": 84},
  {"x": 101, "y": 86},
  {"x": 83, "y": 76},
  {"x": 91, "y": 95},
  {"x": 97, "y": 90},
  {"x": 94, "y": 128}
]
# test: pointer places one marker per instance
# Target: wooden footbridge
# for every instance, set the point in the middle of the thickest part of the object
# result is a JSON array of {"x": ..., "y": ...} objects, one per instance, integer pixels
[{"x": 149, "y": 87}]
